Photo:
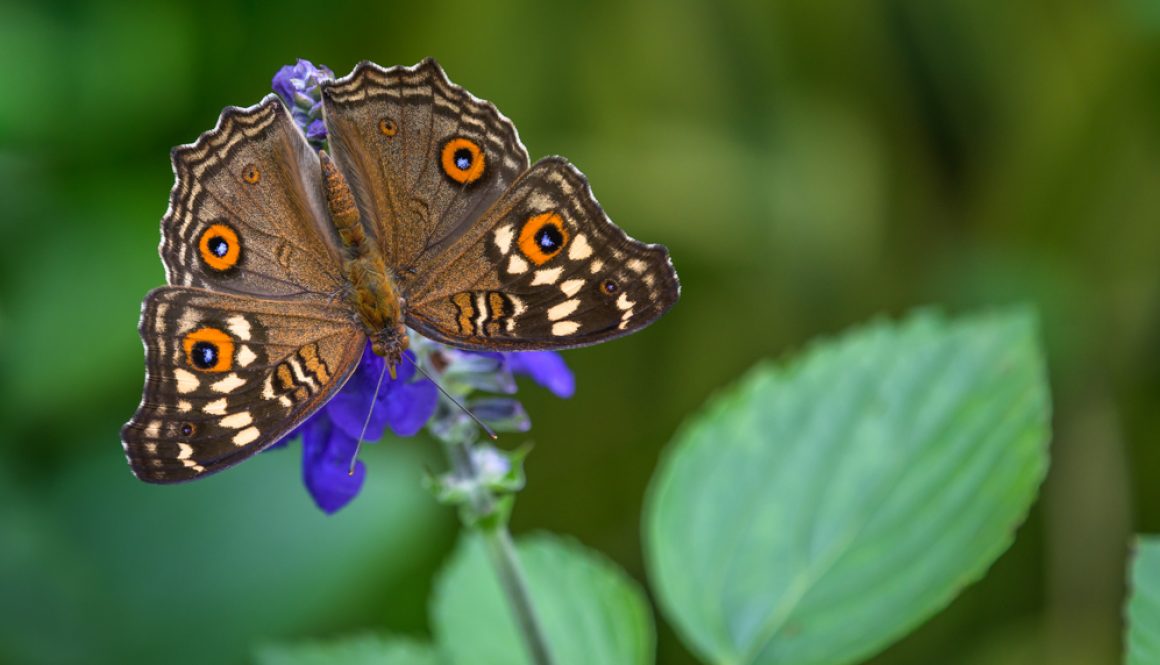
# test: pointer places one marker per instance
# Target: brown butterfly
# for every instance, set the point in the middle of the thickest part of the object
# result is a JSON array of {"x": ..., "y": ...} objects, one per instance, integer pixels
[{"x": 282, "y": 261}]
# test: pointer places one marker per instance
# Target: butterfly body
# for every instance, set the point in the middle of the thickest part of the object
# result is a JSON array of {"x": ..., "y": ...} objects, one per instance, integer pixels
[
  {"x": 372, "y": 292},
  {"x": 424, "y": 213}
]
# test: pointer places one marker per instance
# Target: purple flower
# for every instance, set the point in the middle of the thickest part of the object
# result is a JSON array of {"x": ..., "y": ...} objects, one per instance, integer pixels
[
  {"x": 407, "y": 403},
  {"x": 326, "y": 454},
  {"x": 298, "y": 86},
  {"x": 330, "y": 436},
  {"x": 403, "y": 403}
]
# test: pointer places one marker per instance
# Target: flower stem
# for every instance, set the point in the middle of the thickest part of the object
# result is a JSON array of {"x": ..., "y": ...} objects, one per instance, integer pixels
[
  {"x": 502, "y": 552},
  {"x": 511, "y": 578}
]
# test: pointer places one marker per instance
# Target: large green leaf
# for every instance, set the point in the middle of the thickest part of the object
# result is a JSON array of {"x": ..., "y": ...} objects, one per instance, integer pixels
[
  {"x": 591, "y": 612},
  {"x": 818, "y": 510},
  {"x": 359, "y": 650},
  {"x": 1144, "y": 604}
]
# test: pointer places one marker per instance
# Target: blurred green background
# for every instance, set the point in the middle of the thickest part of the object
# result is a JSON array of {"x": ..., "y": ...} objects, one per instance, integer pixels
[{"x": 810, "y": 164}]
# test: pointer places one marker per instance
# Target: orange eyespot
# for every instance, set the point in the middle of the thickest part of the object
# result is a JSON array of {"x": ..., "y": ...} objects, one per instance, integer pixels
[
  {"x": 219, "y": 247},
  {"x": 209, "y": 350},
  {"x": 251, "y": 174},
  {"x": 609, "y": 287},
  {"x": 542, "y": 237},
  {"x": 463, "y": 160},
  {"x": 388, "y": 127}
]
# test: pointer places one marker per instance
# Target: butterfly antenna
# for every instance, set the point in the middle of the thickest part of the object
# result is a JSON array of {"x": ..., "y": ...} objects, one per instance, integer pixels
[
  {"x": 367, "y": 422},
  {"x": 490, "y": 432}
]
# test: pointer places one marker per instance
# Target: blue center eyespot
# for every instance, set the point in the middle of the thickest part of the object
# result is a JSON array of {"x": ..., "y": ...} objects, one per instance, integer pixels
[
  {"x": 463, "y": 159},
  {"x": 549, "y": 238},
  {"x": 218, "y": 246},
  {"x": 204, "y": 355}
]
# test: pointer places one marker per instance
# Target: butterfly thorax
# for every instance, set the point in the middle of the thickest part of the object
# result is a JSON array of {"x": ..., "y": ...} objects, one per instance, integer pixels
[{"x": 372, "y": 290}]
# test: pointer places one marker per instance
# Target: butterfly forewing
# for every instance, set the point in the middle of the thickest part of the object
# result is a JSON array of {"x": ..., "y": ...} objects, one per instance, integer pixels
[
  {"x": 543, "y": 268},
  {"x": 247, "y": 212},
  {"x": 425, "y": 158},
  {"x": 226, "y": 376}
]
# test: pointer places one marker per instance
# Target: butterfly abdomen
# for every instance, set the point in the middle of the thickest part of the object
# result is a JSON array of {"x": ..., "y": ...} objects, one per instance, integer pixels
[{"x": 372, "y": 291}]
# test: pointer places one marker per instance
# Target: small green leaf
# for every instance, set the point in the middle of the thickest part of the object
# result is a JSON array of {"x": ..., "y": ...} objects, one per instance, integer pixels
[
  {"x": 359, "y": 650},
  {"x": 1144, "y": 604},
  {"x": 591, "y": 612},
  {"x": 818, "y": 511}
]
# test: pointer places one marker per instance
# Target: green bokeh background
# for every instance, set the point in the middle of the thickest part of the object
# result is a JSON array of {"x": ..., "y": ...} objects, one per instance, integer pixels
[{"x": 809, "y": 163}]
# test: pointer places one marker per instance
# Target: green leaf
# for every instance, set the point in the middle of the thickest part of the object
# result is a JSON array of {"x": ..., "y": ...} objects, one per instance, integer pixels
[
  {"x": 1144, "y": 604},
  {"x": 819, "y": 510},
  {"x": 359, "y": 650},
  {"x": 590, "y": 610}
]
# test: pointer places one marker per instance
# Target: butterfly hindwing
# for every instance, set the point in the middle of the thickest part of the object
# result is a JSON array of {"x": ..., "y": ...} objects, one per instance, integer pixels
[
  {"x": 544, "y": 268},
  {"x": 247, "y": 213},
  {"x": 227, "y": 376},
  {"x": 424, "y": 157}
]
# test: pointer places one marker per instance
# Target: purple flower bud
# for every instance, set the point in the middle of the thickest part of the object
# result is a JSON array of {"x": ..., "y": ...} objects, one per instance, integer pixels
[
  {"x": 298, "y": 86},
  {"x": 546, "y": 368}
]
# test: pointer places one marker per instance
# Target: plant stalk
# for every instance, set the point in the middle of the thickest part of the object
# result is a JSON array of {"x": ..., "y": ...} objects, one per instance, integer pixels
[{"x": 504, "y": 558}]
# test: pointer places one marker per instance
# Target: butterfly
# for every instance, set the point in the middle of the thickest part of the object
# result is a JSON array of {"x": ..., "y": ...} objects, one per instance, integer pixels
[{"x": 282, "y": 262}]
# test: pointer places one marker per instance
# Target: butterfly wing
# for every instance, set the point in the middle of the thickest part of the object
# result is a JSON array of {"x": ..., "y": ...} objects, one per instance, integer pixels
[
  {"x": 423, "y": 156},
  {"x": 543, "y": 268},
  {"x": 247, "y": 213},
  {"x": 227, "y": 376}
]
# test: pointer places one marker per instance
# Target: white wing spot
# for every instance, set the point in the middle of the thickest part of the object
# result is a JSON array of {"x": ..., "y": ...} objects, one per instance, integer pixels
[
  {"x": 563, "y": 309},
  {"x": 229, "y": 384},
  {"x": 561, "y": 328},
  {"x": 184, "y": 451},
  {"x": 184, "y": 406},
  {"x": 236, "y": 420},
  {"x": 517, "y": 265},
  {"x": 216, "y": 407},
  {"x": 580, "y": 249},
  {"x": 503, "y": 239},
  {"x": 240, "y": 327},
  {"x": 246, "y": 436},
  {"x": 546, "y": 276},
  {"x": 481, "y": 307},
  {"x": 624, "y": 319},
  {"x": 636, "y": 265},
  {"x": 624, "y": 303},
  {"x": 153, "y": 429},
  {"x": 246, "y": 356},
  {"x": 596, "y": 266},
  {"x": 519, "y": 307},
  {"x": 186, "y": 381},
  {"x": 571, "y": 287}
]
